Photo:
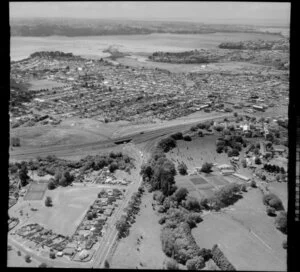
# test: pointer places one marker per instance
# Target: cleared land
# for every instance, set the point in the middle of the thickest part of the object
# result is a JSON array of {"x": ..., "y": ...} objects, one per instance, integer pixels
[
  {"x": 246, "y": 235},
  {"x": 148, "y": 254}
]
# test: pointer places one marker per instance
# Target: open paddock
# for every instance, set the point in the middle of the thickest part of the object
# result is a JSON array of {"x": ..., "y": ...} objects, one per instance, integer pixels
[
  {"x": 216, "y": 180},
  {"x": 246, "y": 235}
]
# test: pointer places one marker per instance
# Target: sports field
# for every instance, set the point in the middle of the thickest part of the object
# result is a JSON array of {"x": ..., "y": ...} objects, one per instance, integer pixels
[{"x": 36, "y": 191}]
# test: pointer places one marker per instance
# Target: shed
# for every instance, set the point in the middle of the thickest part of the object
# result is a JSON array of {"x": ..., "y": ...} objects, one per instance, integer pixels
[
  {"x": 241, "y": 177},
  {"x": 69, "y": 251}
]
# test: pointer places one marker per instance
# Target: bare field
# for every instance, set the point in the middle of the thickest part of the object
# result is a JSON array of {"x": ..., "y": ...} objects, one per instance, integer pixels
[
  {"x": 147, "y": 255},
  {"x": 246, "y": 235}
]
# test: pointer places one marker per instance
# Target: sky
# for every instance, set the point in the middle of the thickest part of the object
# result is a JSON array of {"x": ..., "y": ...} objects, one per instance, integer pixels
[{"x": 210, "y": 12}]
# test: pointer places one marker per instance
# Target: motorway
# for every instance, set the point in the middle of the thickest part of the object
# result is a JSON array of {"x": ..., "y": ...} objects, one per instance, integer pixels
[{"x": 77, "y": 149}]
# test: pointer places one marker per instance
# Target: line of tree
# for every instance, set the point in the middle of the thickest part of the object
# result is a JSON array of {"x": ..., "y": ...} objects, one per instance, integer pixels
[{"x": 273, "y": 168}]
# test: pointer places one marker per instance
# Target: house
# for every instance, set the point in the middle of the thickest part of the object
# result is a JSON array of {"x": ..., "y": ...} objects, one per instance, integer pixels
[
  {"x": 69, "y": 251},
  {"x": 243, "y": 178},
  {"x": 258, "y": 108}
]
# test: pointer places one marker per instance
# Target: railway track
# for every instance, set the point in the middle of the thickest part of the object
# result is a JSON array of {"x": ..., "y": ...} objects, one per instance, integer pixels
[{"x": 69, "y": 150}]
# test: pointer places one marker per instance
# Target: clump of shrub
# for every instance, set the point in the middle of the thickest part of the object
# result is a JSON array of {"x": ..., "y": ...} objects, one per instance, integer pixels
[
  {"x": 220, "y": 259},
  {"x": 181, "y": 194},
  {"x": 192, "y": 204},
  {"x": 171, "y": 264}
]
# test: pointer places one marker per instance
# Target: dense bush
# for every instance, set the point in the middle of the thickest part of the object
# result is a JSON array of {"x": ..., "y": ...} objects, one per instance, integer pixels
[
  {"x": 159, "y": 172},
  {"x": 233, "y": 153},
  {"x": 177, "y": 136},
  {"x": 192, "y": 204},
  {"x": 181, "y": 194},
  {"x": 281, "y": 222},
  {"x": 273, "y": 201},
  {"x": 284, "y": 244},
  {"x": 27, "y": 258},
  {"x": 187, "y": 138},
  {"x": 171, "y": 264},
  {"x": 167, "y": 144},
  {"x": 220, "y": 259},
  {"x": 225, "y": 196},
  {"x": 196, "y": 263}
]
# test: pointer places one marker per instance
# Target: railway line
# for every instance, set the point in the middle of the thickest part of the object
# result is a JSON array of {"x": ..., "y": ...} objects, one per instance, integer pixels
[{"x": 137, "y": 137}]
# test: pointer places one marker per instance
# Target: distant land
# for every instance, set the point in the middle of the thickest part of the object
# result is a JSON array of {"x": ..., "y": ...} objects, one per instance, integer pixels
[{"x": 39, "y": 27}]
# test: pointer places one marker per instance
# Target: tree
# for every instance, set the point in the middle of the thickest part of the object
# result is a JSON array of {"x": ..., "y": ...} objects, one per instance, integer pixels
[
  {"x": 235, "y": 114},
  {"x": 23, "y": 175},
  {"x": 233, "y": 153},
  {"x": 192, "y": 204},
  {"x": 182, "y": 168},
  {"x": 281, "y": 222},
  {"x": 43, "y": 265},
  {"x": 284, "y": 244},
  {"x": 15, "y": 141},
  {"x": 271, "y": 211},
  {"x": 181, "y": 194},
  {"x": 200, "y": 133},
  {"x": 48, "y": 201},
  {"x": 121, "y": 226},
  {"x": 52, "y": 255},
  {"x": 206, "y": 167},
  {"x": 257, "y": 160},
  {"x": 171, "y": 264},
  {"x": 244, "y": 163},
  {"x": 196, "y": 263},
  {"x": 253, "y": 184},
  {"x": 106, "y": 264},
  {"x": 167, "y": 144},
  {"x": 112, "y": 167},
  {"x": 51, "y": 184},
  {"x": 219, "y": 149},
  {"x": 27, "y": 258},
  {"x": 89, "y": 216}
]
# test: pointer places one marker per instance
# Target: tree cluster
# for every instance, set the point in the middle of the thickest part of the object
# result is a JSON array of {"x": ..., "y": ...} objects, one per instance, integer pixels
[
  {"x": 133, "y": 207},
  {"x": 273, "y": 168},
  {"x": 225, "y": 196},
  {"x": 166, "y": 144},
  {"x": 182, "y": 168},
  {"x": 220, "y": 259},
  {"x": 159, "y": 172}
]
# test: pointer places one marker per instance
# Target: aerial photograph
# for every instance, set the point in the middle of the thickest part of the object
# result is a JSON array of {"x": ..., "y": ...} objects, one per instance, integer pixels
[{"x": 149, "y": 135}]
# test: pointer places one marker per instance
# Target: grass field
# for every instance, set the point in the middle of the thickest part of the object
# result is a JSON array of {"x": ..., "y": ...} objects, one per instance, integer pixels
[
  {"x": 68, "y": 132},
  {"x": 36, "y": 191},
  {"x": 246, "y": 235},
  {"x": 44, "y": 84},
  {"x": 147, "y": 255},
  {"x": 69, "y": 207},
  {"x": 198, "y": 180}
]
